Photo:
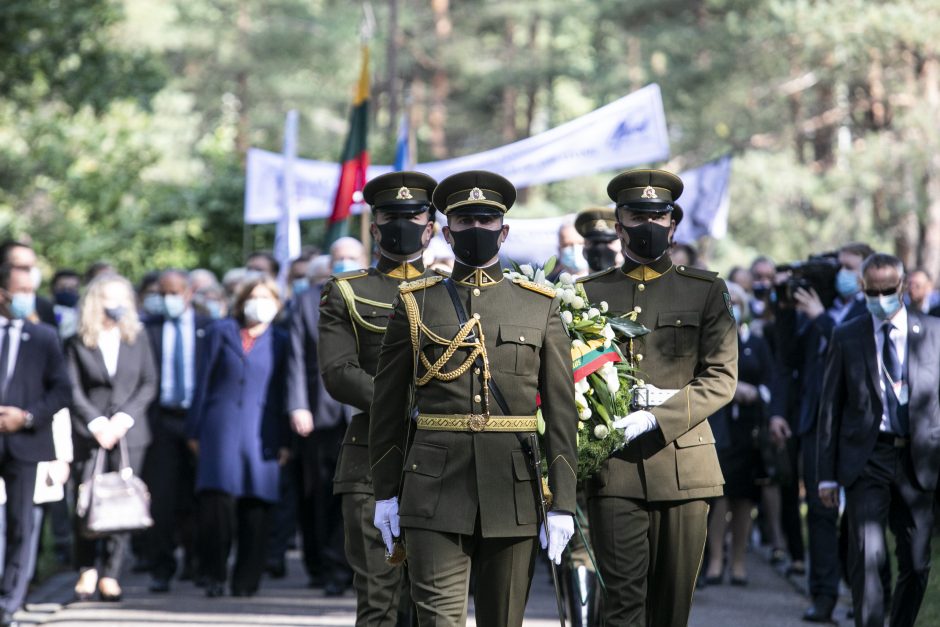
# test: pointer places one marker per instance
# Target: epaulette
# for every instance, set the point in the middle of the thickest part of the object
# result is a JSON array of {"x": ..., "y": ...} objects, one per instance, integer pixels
[
  {"x": 406, "y": 287},
  {"x": 350, "y": 274},
  {"x": 697, "y": 273},
  {"x": 535, "y": 287},
  {"x": 596, "y": 274}
]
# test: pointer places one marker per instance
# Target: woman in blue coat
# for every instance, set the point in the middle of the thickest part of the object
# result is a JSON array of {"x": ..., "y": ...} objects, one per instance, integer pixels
[{"x": 237, "y": 426}]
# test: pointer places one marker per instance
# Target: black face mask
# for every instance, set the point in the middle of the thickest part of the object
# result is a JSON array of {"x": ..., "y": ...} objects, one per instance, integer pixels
[
  {"x": 401, "y": 236},
  {"x": 648, "y": 240},
  {"x": 475, "y": 246},
  {"x": 600, "y": 257},
  {"x": 66, "y": 298}
]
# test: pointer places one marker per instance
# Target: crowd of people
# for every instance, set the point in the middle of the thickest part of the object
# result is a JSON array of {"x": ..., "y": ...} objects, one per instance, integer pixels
[{"x": 245, "y": 407}]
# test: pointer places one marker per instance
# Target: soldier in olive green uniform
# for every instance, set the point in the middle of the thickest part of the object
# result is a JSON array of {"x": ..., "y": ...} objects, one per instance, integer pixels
[
  {"x": 454, "y": 455},
  {"x": 601, "y": 244},
  {"x": 647, "y": 504},
  {"x": 354, "y": 309}
]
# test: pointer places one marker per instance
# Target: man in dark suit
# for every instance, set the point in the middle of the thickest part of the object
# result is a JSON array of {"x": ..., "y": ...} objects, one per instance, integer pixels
[
  {"x": 879, "y": 438},
  {"x": 22, "y": 256},
  {"x": 176, "y": 338},
  {"x": 34, "y": 385},
  {"x": 803, "y": 335}
]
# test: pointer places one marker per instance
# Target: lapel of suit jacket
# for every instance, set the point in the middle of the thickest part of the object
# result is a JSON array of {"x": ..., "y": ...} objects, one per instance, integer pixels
[
  {"x": 915, "y": 337},
  {"x": 22, "y": 354},
  {"x": 98, "y": 356},
  {"x": 869, "y": 350}
]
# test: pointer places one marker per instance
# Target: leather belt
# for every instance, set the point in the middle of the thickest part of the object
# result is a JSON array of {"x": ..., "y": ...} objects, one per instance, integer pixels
[
  {"x": 476, "y": 423},
  {"x": 892, "y": 439}
]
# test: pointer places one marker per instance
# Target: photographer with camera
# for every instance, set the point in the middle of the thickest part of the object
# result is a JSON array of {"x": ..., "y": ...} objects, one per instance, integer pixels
[{"x": 813, "y": 298}]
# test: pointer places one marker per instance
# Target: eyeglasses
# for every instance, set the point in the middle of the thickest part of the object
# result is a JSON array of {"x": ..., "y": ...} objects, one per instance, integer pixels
[{"x": 885, "y": 292}]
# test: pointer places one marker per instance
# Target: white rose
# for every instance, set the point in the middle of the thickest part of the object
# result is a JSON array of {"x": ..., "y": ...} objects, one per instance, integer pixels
[
  {"x": 593, "y": 313},
  {"x": 608, "y": 332},
  {"x": 585, "y": 413},
  {"x": 601, "y": 432},
  {"x": 527, "y": 270},
  {"x": 566, "y": 279},
  {"x": 566, "y": 317},
  {"x": 582, "y": 387},
  {"x": 603, "y": 306},
  {"x": 577, "y": 302}
]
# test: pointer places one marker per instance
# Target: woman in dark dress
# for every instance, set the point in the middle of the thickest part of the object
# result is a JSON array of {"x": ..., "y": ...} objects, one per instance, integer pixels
[
  {"x": 114, "y": 381},
  {"x": 735, "y": 427},
  {"x": 236, "y": 425}
]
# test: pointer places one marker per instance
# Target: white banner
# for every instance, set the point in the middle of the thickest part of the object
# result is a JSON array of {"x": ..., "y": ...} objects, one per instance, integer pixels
[{"x": 627, "y": 132}]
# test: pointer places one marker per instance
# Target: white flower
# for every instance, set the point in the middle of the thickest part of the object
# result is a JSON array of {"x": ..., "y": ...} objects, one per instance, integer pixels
[
  {"x": 593, "y": 313},
  {"x": 608, "y": 332},
  {"x": 613, "y": 383},
  {"x": 540, "y": 277},
  {"x": 565, "y": 278},
  {"x": 603, "y": 306},
  {"x": 566, "y": 317},
  {"x": 601, "y": 432},
  {"x": 585, "y": 413},
  {"x": 577, "y": 344},
  {"x": 582, "y": 387},
  {"x": 527, "y": 270},
  {"x": 577, "y": 302},
  {"x": 565, "y": 296},
  {"x": 606, "y": 343}
]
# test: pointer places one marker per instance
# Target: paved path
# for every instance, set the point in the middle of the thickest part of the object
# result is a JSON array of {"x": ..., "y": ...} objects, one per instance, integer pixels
[{"x": 768, "y": 600}]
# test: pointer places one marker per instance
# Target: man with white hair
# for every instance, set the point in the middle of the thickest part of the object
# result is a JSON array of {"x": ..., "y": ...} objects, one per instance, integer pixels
[{"x": 347, "y": 254}]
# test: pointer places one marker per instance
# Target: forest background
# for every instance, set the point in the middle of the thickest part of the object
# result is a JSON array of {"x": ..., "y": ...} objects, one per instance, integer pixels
[{"x": 124, "y": 124}]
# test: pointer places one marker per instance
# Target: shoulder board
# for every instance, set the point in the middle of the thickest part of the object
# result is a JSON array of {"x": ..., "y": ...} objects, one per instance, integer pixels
[
  {"x": 352, "y": 274},
  {"x": 418, "y": 284},
  {"x": 535, "y": 287},
  {"x": 597, "y": 274},
  {"x": 698, "y": 273}
]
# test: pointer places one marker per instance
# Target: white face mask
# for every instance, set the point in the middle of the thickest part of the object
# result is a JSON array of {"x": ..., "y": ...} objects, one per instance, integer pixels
[{"x": 260, "y": 310}]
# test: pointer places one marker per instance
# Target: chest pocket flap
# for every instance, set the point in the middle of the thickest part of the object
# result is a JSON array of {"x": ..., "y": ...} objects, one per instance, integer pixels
[
  {"x": 678, "y": 319},
  {"x": 517, "y": 349},
  {"x": 520, "y": 335}
]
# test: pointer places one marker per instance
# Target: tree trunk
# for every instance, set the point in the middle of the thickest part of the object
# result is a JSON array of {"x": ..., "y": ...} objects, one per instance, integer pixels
[
  {"x": 391, "y": 68},
  {"x": 243, "y": 25},
  {"x": 440, "y": 83},
  {"x": 510, "y": 91}
]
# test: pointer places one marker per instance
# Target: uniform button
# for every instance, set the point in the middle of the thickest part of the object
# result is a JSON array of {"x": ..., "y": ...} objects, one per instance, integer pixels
[
  {"x": 375, "y": 313},
  {"x": 476, "y": 371},
  {"x": 641, "y": 287},
  {"x": 522, "y": 338},
  {"x": 477, "y": 399},
  {"x": 476, "y": 291},
  {"x": 682, "y": 268},
  {"x": 414, "y": 466},
  {"x": 638, "y": 309},
  {"x": 700, "y": 438},
  {"x": 476, "y": 316},
  {"x": 678, "y": 322},
  {"x": 353, "y": 438},
  {"x": 639, "y": 356}
]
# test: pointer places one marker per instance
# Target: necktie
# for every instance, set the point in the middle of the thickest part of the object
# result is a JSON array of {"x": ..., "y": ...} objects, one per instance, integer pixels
[
  {"x": 4, "y": 358},
  {"x": 179, "y": 372},
  {"x": 893, "y": 374}
]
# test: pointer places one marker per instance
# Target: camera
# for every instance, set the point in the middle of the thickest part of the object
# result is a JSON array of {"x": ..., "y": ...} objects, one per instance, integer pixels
[{"x": 818, "y": 272}]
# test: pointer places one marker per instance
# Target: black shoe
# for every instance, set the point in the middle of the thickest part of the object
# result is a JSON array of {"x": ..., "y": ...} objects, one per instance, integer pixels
[
  {"x": 738, "y": 581},
  {"x": 159, "y": 585},
  {"x": 820, "y": 611},
  {"x": 215, "y": 589},
  {"x": 244, "y": 592},
  {"x": 277, "y": 569},
  {"x": 796, "y": 570},
  {"x": 333, "y": 589}
]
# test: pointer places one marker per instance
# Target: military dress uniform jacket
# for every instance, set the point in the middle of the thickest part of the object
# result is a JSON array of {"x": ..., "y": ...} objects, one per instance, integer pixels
[
  {"x": 354, "y": 310},
  {"x": 692, "y": 347},
  {"x": 449, "y": 479}
]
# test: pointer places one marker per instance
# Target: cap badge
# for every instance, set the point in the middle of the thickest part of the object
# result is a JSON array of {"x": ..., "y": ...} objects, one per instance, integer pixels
[
  {"x": 476, "y": 194},
  {"x": 649, "y": 192},
  {"x": 599, "y": 225},
  {"x": 404, "y": 194}
]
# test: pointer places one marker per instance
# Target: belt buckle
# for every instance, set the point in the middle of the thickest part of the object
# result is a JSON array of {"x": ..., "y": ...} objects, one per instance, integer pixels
[{"x": 477, "y": 422}]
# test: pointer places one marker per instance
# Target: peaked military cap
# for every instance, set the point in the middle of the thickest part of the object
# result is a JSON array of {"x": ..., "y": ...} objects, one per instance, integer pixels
[
  {"x": 652, "y": 191},
  {"x": 405, "y": 192},
  {"x": 596, "y": 223},
  {"x": 474, "y": 192}
]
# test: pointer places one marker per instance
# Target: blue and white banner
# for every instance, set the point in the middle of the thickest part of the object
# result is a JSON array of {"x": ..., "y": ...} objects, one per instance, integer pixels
[
  {"x": 705, "y": 201},
  {"x": 627, "y": 132}
]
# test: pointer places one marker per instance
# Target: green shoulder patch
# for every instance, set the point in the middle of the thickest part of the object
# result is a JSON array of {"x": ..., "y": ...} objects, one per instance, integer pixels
[
  {"x": 406, "y": 287},
  {"x": 727, "y": 298},
  {"x": 535, "y": 287},
  {"x": 697, "y": 273},
  {"x": 325, "y": 292}
]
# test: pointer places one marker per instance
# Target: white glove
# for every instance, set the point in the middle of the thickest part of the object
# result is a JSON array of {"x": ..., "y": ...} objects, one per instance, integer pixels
[
  {"x": 560, "y": 530},
  {"x": 386, "y": 520},
  {"x": 636, "y": 424}
]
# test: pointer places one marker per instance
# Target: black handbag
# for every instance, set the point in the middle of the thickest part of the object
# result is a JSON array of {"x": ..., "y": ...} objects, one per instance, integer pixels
[{"x": 113, "y": 502}]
